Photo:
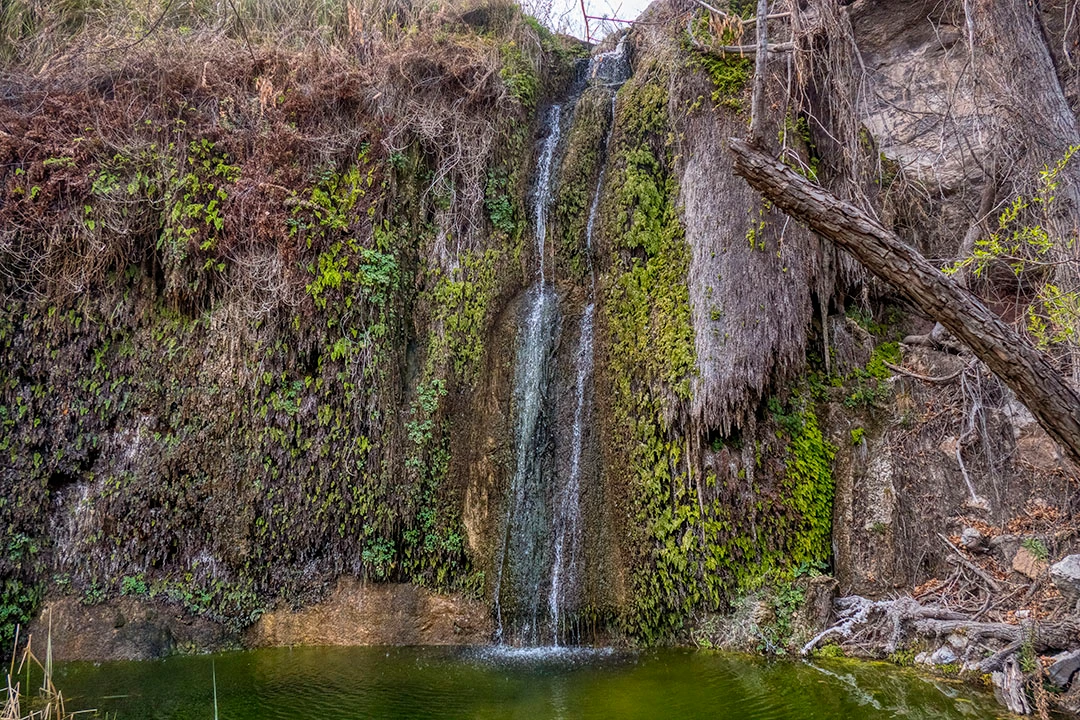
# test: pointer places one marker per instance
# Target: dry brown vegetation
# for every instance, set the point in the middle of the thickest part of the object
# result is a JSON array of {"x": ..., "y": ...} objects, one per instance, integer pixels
[
  {"x": 19, "y": 703},
  {"x": 282, "y": 90}
]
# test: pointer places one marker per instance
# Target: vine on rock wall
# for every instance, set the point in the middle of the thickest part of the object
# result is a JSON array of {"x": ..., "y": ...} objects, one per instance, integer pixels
[{"x": 651, "y": 358}]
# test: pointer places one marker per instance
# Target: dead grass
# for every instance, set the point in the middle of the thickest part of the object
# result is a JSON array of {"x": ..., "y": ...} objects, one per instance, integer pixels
[
  {"x": 285, "y": 89},
  {"x": 48, "y": 703}
]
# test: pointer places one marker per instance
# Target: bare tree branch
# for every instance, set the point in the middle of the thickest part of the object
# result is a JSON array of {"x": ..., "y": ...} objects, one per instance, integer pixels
[
  {"x": 1023, "y": 368},
  {"x": 757, "y": 101}
]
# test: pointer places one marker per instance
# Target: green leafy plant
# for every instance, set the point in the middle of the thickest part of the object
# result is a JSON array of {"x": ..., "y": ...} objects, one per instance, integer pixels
[
  {"x": 379, "y": 558},
  {"x": 786, "y": 599},
  {"x": 869, "y": 386},
  {"x": 18, "y": 604},
  {"x": 729, "y": 72},
  {"x": 519, "y": 75},
  {"x": 1024, "y": 243},
  {"x": 1036, "y": 547},
  {"x": 133, "y": 585},
  {"x": 499, "y": 205},
  {"x": 903, "y": 657}
]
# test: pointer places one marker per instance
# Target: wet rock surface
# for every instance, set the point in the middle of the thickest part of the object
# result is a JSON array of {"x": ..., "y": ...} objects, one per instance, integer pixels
[
  {"x": 125, "y": 628},
  {"x": 367, "y": 614}
]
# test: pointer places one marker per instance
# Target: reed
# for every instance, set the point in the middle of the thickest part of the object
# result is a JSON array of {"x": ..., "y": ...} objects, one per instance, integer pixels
[{"x": 48, "y": 703}]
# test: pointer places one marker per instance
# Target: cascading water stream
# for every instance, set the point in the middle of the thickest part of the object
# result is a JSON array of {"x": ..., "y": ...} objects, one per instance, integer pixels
[
  {"x": 565, "y": 570},
  {"x": 526, "y": 524},
  {"x": 523, "y": 562},
  {"x": 526, "y": 561},
  {"x": 543, "y": 184}
]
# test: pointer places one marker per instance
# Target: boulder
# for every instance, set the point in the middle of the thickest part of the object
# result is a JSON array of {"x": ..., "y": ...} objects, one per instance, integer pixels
[
  {"x": 944, "y": 655},
  {"x": 973, "y": 540},
  {"x": 1061, "y": 670},
  {"x": 1066, "y": 576},
  {"x": 1027, "y": 564}
]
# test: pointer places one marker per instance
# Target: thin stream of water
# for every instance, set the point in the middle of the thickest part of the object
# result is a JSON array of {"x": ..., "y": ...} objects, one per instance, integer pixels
[
  {"x": 543, "y": 185},
  {"x": 522, "y": 555},
  {"x": 543, "y": 529}
]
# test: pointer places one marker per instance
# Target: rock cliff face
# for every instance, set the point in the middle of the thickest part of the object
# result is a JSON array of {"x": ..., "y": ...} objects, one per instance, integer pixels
[{"x": 266, "y": 316}]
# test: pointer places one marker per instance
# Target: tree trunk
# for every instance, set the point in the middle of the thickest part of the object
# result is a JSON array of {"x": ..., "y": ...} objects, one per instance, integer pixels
[
  {"x": 1030, "y": 124},
  {"x": 1023, "y": 368}
]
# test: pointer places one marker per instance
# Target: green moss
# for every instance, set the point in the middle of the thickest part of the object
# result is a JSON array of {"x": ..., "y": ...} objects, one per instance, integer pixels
[
  {"x": 829, "y": 651},
  {"x": 692, "y": 553},
  {"x": 904, "y": 657},
  {"x": 253, "y": 413},
  {"x": 652, "y": 359},
  {"x": 463, "y": 305},
  {"x": 869, "y": 386},
  {"x": 579, "y": 173},
  {"x": 887, "y": 352},
  {"x": 798, "y": 147},
  {"x": 519, "y": 74},
  {"x": 729, "y": 72},
  {"x": 809, "y": 488}
]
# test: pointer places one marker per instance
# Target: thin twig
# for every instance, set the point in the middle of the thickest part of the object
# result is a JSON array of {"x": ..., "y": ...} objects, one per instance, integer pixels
[
  {"x": 926, "y": 378},
  {"x": 971, "y": 566}
]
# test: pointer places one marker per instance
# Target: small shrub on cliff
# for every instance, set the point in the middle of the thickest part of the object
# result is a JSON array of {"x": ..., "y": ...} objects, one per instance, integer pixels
[{"x": 18, "y": 604}]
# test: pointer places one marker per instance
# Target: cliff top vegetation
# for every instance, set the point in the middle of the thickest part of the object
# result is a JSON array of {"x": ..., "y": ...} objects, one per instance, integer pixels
[{"x": 282, "y": 90}]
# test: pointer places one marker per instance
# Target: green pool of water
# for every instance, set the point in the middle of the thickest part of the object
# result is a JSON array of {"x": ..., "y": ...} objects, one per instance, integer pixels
[{"x": 332, "y": 683}]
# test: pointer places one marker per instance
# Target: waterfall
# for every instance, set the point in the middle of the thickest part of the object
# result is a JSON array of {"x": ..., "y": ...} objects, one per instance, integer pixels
[
  {"x": 612, "y": 70},
  {"x": 543, "y": 184},
  {"x": 543, "y": 528},
  {"x": 522, "y": 557},
  {"x": 565, "y": 569}
]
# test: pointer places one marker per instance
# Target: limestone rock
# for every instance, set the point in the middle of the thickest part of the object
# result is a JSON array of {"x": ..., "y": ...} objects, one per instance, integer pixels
[
  {"x": 972, "y": 539},
  {"x": 124, "y": 628},
  {"x": 1066, "y": 576},
  {"x": 813, "y": 615},
  {"x": 357, "y": 613},
  {"x": 944, "y": 655},
  {"x": 1009, "y": 687},
  {"x": 959, "y": 643},
  {"x": 1005, "y": 548},
  {"x": 1063, "y": 667},
  {"x": 1025, "y": 563},
  {"x": 763, "y": 613}
]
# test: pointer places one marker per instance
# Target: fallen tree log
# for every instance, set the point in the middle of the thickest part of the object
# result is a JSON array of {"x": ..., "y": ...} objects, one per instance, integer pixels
[
  {"x": 1048, "y": 636},
  {"x": 905, "y": 618},
  {"x": 1020, "y": 365}
]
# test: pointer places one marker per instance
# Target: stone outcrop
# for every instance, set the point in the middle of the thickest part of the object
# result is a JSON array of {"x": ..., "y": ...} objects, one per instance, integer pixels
[
  {"x": 355, "y": 613},
  {"x": 1066, "y": 576}
]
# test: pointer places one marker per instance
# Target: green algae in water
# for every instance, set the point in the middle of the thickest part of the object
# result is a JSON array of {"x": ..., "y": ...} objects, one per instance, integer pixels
[{"x": 340, "y": 683}]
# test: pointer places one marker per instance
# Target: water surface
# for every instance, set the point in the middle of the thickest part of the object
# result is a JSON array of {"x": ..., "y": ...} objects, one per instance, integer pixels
[{"x": 533, "y": 684}]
